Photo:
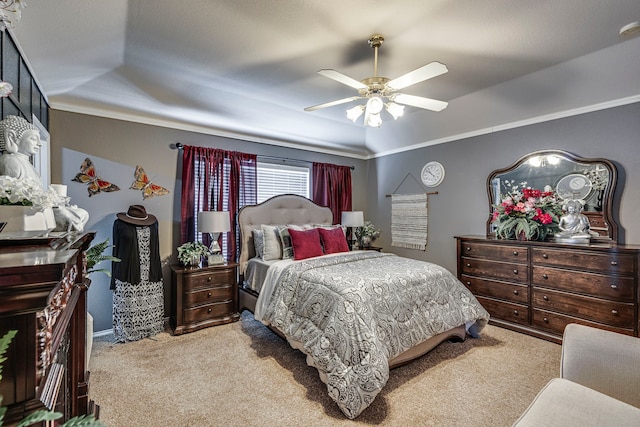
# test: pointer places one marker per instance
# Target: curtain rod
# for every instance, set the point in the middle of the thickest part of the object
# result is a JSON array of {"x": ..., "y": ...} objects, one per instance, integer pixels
[
  {"x": 180, "y": 146},
  {"x": 428, "y": 194}
]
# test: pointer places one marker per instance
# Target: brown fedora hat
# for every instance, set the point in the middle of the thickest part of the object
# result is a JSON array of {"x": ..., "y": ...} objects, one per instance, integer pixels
[{"x": 137, "y": 215}]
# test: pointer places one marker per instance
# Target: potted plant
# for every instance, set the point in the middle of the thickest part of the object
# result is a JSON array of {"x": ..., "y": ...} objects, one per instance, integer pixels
[
  {"x": 26, "y": 206},
  {"x": 191, "y": 253},
  {"x": 367, "y": 234},
  {"x": 526, "y": 214}
]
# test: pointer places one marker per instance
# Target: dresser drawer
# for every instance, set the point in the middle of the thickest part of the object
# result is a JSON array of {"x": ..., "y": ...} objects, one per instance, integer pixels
[
  {"x": 496, "y": 289},
  {"x": 612, "y": 263},
  {"x": 511, "y": 312},
  {"x": 204, "y": 296},
  {"x": 610, "y": 287},
  {"x": 555, "y": 322},
  {"x": 494, "y": 269},
  {"x": 207, "y": 279},
  {"x": 607, "y": 312},
  {"x": 495, "y": 252},
  {"x": 209, "y": 311}
]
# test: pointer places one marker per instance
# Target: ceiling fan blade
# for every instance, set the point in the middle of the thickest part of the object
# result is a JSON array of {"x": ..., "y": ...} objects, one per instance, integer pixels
[
  {"x": 342, "y": 78},
  {"x": 332, "y": 103},
  {"x": 420, "y": 102},
  {"x": 416, "y": 76}
]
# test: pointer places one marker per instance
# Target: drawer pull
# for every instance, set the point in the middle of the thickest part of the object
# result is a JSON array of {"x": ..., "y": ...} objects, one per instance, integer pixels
[
  {"x": 209, "y": 310},
  {"x": 515, "y": 271},
  {"x": 545, "y": 319},
  {"x": 614, "y": 263},
  {"x": 468, "y": 283},
  {"x": 468, "y": 248},
  {"x": 515, "y": 312},
  {"x": 544, "y": 276},
  {"x": 515, "y": 292},
  {"x": 614, "y": 286},
  {"x": 208, "y": 294},
  {"x": 515, "y": 253},
  {"x": 546, "y": 298},
  {"x": 614, "y": 312},
  {"x": 545, "y": 256},
  {"x": 468, "y": 265},
  {"x": 209, "y": 279}
]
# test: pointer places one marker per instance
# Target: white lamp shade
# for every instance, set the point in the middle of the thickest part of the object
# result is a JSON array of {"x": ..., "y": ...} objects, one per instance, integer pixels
[
  {"x": 213, "y": 222},
  {"x": 352, "y": 218}
]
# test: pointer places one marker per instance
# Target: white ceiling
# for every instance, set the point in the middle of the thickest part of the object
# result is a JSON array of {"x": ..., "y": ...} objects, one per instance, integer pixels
[{"x": 248, "y": 67}]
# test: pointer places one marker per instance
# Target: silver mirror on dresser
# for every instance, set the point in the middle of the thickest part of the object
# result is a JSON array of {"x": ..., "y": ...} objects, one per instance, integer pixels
[{"x": 592, "y": 181}]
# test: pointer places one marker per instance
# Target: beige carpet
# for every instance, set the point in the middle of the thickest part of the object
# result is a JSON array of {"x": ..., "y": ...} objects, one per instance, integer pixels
[{"x": 243, "y": 375}]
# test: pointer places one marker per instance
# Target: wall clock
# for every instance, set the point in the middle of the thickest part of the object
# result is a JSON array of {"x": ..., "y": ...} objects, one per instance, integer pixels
[{"x": 432, "y": 174}]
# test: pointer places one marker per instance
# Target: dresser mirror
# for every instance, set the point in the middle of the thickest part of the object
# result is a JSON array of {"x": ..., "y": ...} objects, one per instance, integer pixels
[{"x": 592, "y": 181}]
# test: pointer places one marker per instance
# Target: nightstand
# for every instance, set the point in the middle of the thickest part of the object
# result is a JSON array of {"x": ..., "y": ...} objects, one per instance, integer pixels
[
  {"x": 203, "y": 297},
  {"x": 371, "y": 248}
]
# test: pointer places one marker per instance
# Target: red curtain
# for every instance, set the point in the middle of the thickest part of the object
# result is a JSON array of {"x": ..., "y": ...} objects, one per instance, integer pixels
[
  {"x": 216, "y": 180},
  {"x": 332, "y": 188}
]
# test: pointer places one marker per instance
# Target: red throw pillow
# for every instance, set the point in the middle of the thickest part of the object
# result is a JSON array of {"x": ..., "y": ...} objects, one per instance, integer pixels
[
  {"x": 306, "y": 244},
  {"x": 333, "y": 240}
]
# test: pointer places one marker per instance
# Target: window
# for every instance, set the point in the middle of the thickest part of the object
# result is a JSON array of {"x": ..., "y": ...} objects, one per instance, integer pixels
[{"x": 275, "y": 179}]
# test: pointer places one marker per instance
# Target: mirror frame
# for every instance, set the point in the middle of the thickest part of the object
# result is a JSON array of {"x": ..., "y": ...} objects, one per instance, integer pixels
[{"x": 607, "y": 199}]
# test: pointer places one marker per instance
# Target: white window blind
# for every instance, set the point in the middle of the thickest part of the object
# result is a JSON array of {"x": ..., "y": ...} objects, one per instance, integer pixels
[{"x": 274, "y": 179}]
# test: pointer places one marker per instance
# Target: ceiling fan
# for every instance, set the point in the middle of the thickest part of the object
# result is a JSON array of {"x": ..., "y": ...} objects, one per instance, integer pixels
[{"x": 377, "y": 89}]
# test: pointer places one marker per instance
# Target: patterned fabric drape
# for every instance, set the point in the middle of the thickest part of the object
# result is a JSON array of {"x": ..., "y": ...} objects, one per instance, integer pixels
[
  {"x": 332, "y": 188},
  {"x": 216, "y": 180},
  {"x": 409, "y": 221}
]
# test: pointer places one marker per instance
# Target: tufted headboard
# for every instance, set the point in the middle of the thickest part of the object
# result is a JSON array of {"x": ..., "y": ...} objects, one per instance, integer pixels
[{"x": 284, "y": 209}]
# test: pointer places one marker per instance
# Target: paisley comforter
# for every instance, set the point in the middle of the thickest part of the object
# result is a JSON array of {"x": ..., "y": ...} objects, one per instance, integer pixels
[{"x": 353, "y": 312}]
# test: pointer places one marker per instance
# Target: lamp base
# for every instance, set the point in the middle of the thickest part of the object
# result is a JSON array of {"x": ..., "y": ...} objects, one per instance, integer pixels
[{"x": 215, "y": 259}]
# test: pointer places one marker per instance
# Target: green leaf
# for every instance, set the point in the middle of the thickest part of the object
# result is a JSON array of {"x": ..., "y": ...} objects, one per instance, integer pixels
[
  {"x": 83, "y": 421},
  {"x": 38, "y": 417}
]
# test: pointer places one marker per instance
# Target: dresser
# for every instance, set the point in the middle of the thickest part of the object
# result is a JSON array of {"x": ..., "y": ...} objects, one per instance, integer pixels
[
  {"x": 203, "y": 297},
  {"x": 539, "y": 287},
  {"x": 43, "y": 296}
]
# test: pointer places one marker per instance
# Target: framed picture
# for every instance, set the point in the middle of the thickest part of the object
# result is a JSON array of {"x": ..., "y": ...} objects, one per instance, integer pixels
[{"x": 42, "y": 158}]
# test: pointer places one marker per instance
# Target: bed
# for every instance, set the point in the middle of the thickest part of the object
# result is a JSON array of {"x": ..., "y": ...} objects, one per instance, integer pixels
[{"x": 354, "y": 314}]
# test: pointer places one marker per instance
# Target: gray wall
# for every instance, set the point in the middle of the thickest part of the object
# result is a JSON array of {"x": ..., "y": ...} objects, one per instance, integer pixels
[
  {"x": 116, "y": 147},
  {"x": 462, "y": 205}
]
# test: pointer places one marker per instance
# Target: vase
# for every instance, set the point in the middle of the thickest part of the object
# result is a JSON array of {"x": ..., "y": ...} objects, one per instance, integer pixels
[
  {"x": 195, "y": 261},
  {"x": 366, "y": 241},
  {"x": 27, "y": 221}
]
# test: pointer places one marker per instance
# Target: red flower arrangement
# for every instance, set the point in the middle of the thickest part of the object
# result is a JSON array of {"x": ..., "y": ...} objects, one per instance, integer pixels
[{"x": 529, "y": 214}]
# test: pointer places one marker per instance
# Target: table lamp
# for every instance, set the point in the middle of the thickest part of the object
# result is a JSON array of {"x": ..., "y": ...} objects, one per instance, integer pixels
[
  {"x": 352, "y": 219},
  {"x": 214, "y": 223}
]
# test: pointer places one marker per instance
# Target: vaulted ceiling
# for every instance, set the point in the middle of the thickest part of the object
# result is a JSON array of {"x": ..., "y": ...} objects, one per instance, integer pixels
[{"x": 249, "y": 67}]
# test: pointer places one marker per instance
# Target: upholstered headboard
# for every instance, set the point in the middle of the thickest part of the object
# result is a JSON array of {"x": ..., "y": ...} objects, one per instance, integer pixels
[{"x": 284, "y": 209}]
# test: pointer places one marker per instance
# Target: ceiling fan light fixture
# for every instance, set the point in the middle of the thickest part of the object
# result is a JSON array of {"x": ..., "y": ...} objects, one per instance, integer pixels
[
  {"x": 374, "y": 105},
  {"x": 396, "y": 110},
  {"x": 355, "y": 112},
  {"x": 374, "y": 120}
]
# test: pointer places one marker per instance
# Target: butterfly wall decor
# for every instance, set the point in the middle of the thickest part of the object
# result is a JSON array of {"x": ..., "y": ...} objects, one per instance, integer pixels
[
  {"x": 148, "y": 188},
  {"x": 95, "y": 183}
]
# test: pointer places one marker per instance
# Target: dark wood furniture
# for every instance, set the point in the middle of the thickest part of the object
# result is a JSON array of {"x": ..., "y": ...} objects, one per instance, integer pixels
[
  {"x": 539, "y": 287},
  {"x": 43, "y": 290},
  {"x": 371, "y": 248},
  {"x": 203, "y": 297}
]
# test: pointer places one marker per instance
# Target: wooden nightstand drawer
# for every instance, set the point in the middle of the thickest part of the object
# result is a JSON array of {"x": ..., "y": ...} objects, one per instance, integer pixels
[
  {"x": 206, "y": 279},
  {"x": 203, "y": 297},
  {"x": 209, "y": 311},
  {"x": 516, "y": 313},
  {"x": 611, "y": 287},
  {"x": 498, "y": 270},
  {"x": 216, "y": 294},
  {"x": 607, "y": 312},
  {"x": 503, "y": 253},
  {"x": 492, "y": 288}
]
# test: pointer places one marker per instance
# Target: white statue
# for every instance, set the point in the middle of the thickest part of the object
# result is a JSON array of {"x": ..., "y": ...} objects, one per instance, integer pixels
[{"x": 19, "y": 140}]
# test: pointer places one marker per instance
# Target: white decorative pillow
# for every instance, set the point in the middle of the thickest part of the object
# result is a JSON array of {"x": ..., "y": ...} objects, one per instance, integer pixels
[
  {"x": 272, "y": 245},
  {"x": 258, "y": 242},
  {"x": 285, "y": 239}
]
